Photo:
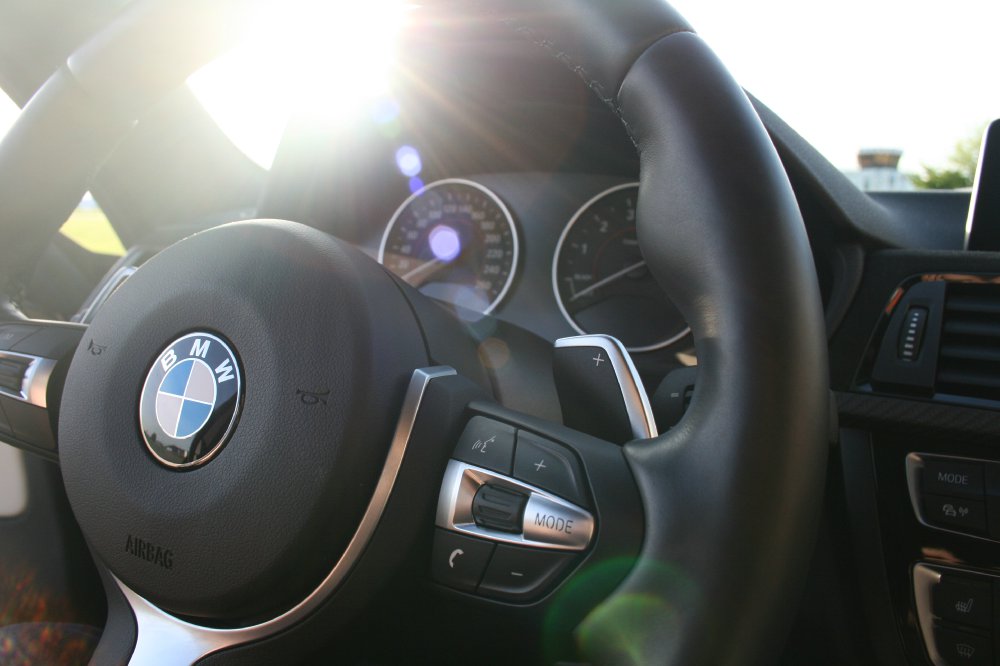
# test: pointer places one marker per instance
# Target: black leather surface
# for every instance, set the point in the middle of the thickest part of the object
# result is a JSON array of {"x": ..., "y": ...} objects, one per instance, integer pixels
[
  {"x": 255, "y": 529},
  {"x": 733, "y": 492},
  {"x": 597, "y": 39},
  {"x": 81, "y": 113}
]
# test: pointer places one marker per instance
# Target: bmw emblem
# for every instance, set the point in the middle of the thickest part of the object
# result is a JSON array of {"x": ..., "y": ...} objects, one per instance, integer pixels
[{"x": 190, "y": 401}]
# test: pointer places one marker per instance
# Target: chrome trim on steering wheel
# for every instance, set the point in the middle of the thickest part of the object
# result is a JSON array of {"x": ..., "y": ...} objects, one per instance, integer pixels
[
  {"x": 165, "y": 639},
  {"x": 35, "y": 380},
  {"x": 455, "y": 513}
]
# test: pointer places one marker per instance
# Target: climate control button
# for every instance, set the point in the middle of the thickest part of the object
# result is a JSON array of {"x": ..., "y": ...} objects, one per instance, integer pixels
[
  {"x": 951, "y": 477},
  {"x": 965, "y": 600},
  {"x": 951, "y": 512}
]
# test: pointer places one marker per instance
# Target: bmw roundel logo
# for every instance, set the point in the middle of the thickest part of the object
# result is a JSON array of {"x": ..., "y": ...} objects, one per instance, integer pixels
[{"x": 191, "y": 400}]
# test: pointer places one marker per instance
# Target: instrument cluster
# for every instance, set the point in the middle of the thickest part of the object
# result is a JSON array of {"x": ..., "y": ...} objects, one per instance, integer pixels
[{"x": 457, "y": 241}]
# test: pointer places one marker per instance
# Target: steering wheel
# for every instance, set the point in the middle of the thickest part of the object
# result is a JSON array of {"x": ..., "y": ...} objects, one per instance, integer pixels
[{"x": 258, "y": 428}]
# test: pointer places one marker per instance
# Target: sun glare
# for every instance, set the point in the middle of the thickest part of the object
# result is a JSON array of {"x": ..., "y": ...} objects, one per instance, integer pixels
[
  {"x": 8, "y": 113},
  {"x": 323, "y": 56}
]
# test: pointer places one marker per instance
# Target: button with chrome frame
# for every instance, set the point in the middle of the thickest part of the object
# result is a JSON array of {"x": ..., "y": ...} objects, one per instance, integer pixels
[
  {"x": 549, "y": 522},
  {"x": 961, "y": 647},
  {"x": 556, "y": 523},
  {"x": 964, "y": 599},
  {"x": 499, "y": 508},
  {"x": 961, "y": 514}
]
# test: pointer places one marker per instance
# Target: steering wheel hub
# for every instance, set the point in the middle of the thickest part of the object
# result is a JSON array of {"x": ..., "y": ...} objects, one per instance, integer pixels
[{"x": 294, "y": 423}]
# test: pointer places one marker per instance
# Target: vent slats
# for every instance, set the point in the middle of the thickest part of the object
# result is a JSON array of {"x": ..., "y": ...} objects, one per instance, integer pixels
[
  {"x": 969, "y": 357},
  {"x": 968, "y": 377},
  {"x": 986, "y": 329},
  {"x": 971, "y": 353},
  {"x": 974, "y": 305}
]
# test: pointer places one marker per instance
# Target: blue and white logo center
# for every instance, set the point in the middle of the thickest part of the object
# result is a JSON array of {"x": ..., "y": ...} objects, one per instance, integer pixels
[
  {"x": 186, "y": 398},
  {"x": 190, "y": 401}
]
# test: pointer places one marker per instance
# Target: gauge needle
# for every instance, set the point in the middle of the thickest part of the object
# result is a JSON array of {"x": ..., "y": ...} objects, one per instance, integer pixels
[
  {"x": 611, "y": 278},
  {"x": 418, "y": 275}
]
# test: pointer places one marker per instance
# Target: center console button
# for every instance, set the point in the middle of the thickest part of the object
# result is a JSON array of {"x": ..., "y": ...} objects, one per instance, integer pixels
[
  {"x": 959, "y": 648},
  {"x": 951, "y": 512},
  {"x": 952, "y": 477},
  {"x": 549, "y": 466},
  {"x": 964, "y": 600}
]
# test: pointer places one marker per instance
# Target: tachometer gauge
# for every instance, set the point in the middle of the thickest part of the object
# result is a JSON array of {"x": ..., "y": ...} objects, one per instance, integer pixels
[
  {"x": 601, "y": 280},
  {"x": 454, "y": 240}
]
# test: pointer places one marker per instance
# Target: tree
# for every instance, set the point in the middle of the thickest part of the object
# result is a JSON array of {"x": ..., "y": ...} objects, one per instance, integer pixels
[{"x": 961, "y": 169}]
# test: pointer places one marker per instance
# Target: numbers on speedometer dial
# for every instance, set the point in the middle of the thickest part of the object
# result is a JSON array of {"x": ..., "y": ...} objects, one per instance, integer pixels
[
  {"x": 601, "y": 281},
  {"x": 454, "y": 240}
]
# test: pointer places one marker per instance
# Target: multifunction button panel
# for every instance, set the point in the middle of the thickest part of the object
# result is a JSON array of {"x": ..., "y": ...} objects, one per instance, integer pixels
[
  {"x": 957, "y": 612},
  {"x": 955, "y": 494},
  {"x": 513, "y": 513}
]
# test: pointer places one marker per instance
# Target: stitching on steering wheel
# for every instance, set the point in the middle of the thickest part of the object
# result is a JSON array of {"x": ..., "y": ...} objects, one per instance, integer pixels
[{"x": 577, "y": 68}]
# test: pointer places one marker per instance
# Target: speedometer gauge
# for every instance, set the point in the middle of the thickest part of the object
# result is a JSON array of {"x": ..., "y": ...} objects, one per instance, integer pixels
[
  {"x": 454, "y": 240},
  {"x": 601, "y": 281}
]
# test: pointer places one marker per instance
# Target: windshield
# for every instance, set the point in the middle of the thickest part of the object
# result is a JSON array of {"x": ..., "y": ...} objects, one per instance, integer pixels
[
  {"x": 88, "y": 226},
  {"x": 8, "y": 113},
  {"x": 865, "y": 75},
  {"x": 886, "y": 81},
  {"x": 887, "y": 90}
]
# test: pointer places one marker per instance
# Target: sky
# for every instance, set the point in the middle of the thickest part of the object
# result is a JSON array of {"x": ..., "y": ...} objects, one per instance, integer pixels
[{"x": 907, "y": 74}]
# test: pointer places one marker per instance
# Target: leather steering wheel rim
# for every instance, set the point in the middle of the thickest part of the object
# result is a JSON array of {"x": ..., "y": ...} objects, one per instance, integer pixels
[{"x": 732, "y": 494}]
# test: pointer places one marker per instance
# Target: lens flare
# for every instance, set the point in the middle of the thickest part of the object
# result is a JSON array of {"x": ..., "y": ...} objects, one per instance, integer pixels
[
  {"x": 619, "y": 630},
  {"x": 300, "y": 56},
  {"x": 445, "y": 242},
  {"x": 408, "y": 161}
]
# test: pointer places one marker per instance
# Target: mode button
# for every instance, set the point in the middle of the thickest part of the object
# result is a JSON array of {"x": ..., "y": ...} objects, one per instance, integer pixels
[
  {"x": 953, "y": 478},
  {"x": 557, "y": 524}
]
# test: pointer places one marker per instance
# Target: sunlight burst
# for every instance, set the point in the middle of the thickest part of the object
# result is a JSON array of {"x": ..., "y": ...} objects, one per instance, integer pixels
[{"x": 298, "y": 56}]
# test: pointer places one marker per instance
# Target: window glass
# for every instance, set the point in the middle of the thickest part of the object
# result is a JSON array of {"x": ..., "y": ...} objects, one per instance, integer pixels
[
  {"x": 8, "y": 113},
  {"x": 88, "y": 226},
  {"x": 890, "y": 91}
]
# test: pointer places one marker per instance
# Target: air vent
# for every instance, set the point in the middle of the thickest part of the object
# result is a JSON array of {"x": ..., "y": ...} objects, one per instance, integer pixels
[
  {"x": 13, "y": 370},
  {"x": 969, "y": 356}
]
